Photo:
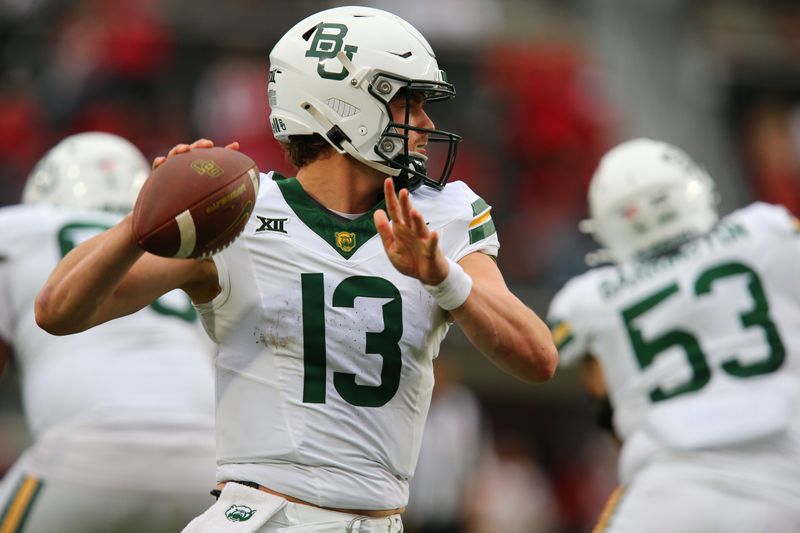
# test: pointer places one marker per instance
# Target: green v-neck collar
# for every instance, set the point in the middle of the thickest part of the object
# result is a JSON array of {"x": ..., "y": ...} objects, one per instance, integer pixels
[{"x": 344, "y": 236}]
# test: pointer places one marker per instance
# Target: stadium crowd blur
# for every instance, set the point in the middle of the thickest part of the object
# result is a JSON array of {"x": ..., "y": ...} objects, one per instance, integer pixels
[{"x": 544, "y": 88}]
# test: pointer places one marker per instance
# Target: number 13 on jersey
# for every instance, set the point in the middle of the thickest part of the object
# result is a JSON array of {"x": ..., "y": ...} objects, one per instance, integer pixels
[{"x": 385, "y": 343}]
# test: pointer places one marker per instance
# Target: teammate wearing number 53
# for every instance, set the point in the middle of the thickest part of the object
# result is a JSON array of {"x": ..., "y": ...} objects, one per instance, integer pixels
[
  {"x": 692, "y": 334},
  {"x": 122, "y": 415},
  {"x": 327, "y": 315}
]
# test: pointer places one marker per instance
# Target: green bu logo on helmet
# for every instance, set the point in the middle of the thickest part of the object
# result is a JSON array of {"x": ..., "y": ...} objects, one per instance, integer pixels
[
  {"x": 329, "y": 41},
  {"x": 239, "y": 513}
]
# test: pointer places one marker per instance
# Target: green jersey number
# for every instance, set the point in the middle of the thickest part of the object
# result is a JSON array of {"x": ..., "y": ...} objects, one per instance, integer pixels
[
  {"x": 385, "y": 343},
  {"x": 75, "y": 233},
  {"x": 647, "y": 350}
]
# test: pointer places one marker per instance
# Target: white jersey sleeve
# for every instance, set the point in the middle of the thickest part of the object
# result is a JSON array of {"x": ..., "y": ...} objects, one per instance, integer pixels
[
  {"x": 468, "y": 219},
  {"x": 574, "y": 313},
  {"x": 769, "y": 219}
]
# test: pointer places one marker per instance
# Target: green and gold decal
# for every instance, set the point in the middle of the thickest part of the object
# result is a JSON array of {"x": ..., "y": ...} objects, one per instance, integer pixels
[
  {"x": 562, "y": 333},
  {"x": 482, "y": 224},
  {"x": 328, "y": 41},
  {"x": 345, "y": 240}
]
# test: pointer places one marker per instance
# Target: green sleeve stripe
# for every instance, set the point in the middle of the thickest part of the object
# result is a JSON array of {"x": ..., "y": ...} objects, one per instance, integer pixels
[
  {"x": 562, "y": 334},
  {"x": 482, "y": 231},
  {"x": 479, "y": 206},
  {"x": 560, "y": 346}
]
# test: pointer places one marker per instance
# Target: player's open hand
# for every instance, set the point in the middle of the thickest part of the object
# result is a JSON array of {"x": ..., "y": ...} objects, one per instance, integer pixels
[
  {"x": 412, "y": 248},
  {"x": 181, "y": 148}
]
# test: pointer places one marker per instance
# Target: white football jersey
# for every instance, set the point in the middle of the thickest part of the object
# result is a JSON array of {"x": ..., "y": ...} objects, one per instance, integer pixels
[
  {"x": 324, "y": 374},
  {"x": 701, "y": 349},
  {"x": 154, "y": 365}
]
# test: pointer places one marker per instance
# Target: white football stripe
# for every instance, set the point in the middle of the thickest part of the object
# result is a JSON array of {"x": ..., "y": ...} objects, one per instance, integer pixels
[
  {"x": 254, "y": 178},
  {"x": 187, "y": 232}
]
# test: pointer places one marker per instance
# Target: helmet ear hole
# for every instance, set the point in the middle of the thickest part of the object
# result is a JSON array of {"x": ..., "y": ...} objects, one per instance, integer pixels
[
  {"x": 648, "y": 196},
  {"x": 384, "y": 88},
  {"x": 389, "y": 148}
]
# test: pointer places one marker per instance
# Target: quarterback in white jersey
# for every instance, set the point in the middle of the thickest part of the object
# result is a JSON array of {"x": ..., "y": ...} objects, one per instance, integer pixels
[
  {"x": 695, "y": 331},
  {"x": 354, "y": 362},
  {"x": 122, "y": 415},
  {"x": 328, "y": 315}
]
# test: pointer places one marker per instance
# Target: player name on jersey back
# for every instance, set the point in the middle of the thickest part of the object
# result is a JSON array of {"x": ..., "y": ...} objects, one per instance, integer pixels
[
  {"x": 727, "y": 234},
  {"x": 698, "y": 348}
]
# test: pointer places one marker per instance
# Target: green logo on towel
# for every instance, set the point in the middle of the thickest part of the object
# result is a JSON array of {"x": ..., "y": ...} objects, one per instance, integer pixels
[{"x": 239, "y": 513}]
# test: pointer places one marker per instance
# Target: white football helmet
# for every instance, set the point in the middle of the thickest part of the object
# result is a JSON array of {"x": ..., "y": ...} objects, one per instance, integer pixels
[
  {"x": 334, "y": 74},
  {"x": 647, "y": 197},
  {"x": 93, "y": 170}
]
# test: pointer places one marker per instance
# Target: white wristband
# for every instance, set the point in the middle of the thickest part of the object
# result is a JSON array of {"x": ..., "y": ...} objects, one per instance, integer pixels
[{"x": 454, "y": 290}]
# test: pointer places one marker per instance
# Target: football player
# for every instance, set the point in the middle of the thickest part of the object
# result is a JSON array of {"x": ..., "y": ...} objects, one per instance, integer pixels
[
  {"x": 691, "y": 331},
  {"x": 122, "y": 415},
  {"x": 328, "y": 316}
]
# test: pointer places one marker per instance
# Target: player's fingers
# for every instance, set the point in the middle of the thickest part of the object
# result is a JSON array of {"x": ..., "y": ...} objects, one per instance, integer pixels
[
  {"x": 380, "y": 219},
  {"x": 233, "y": 146},
  {"x": 392, "y": 206},
  {"x": 405, "y": 205},
  {"x": 418, "y": 224},
  {"x": 178, "y": 149},
  {"x": 433, "y": 243},
  {"x": 202, "y": 143},
  {"x": 158, "y": 160},
  {"x": 383, "y": 227}
]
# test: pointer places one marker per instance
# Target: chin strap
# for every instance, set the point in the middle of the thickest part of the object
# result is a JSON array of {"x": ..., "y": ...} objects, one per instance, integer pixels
[{"x": 350, "y": 149}]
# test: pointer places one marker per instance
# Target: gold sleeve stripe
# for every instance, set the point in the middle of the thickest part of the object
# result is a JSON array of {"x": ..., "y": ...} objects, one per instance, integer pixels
[
  {"x": 562, "y": 334},
  {"x": 482, "y": 225},
  {"x": 477, "y": 221},
  {"x": 608, "y": 511},
  {"x": 15, "y": 513}
]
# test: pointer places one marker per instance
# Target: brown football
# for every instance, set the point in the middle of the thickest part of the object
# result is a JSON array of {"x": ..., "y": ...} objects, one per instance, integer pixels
[{"x": 195, "y": 203}]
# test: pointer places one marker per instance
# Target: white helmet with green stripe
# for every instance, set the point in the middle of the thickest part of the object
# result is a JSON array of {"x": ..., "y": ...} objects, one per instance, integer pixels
[{"x": 334, "y": 73}]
